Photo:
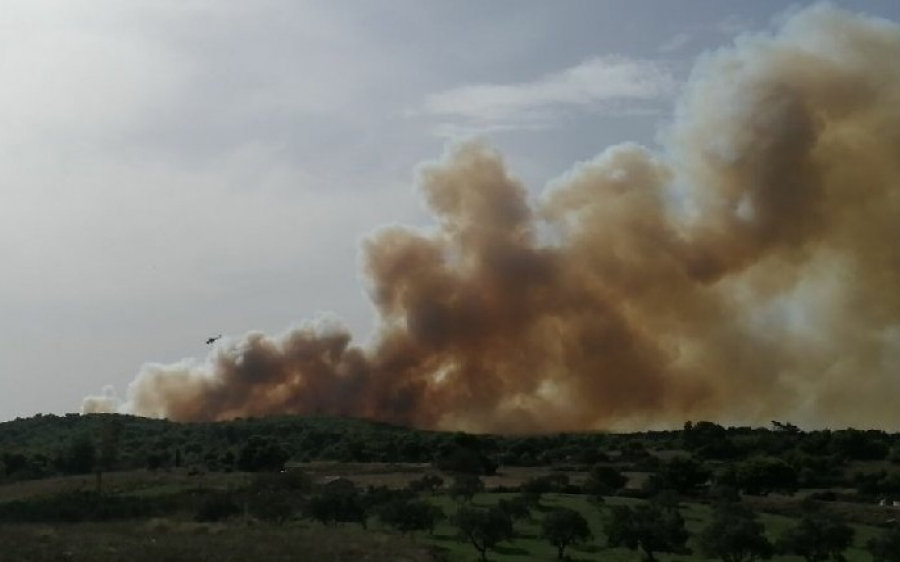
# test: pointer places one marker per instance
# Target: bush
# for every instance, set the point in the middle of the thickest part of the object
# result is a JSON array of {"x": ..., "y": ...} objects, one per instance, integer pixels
[{"x": 74, "y": 507}]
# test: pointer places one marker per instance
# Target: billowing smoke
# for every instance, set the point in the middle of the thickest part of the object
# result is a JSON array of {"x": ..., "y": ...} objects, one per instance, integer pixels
[{"x": 750, "y": 270}]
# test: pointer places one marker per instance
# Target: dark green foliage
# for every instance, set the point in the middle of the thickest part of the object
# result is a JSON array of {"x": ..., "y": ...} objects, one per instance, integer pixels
[
  {"x": 604, "y": 481},
  {"x": 81, "y": 456},
  {"x": 464, "y": 456},
  {"x": 860, "y": 445},
  {"x": 563, "y": 527},
  {"x": 407, "y": 516},
  {"x": 708, "y": 441},
  {"x": 763, "y": 475},
  {"x": 878, "y": 483},
  {"x": 680, "y": 474},
  {"x": 108, "y": 446},
  {"x": 260, "y": 454},
  {"x": 886, "y": 547},
  {"x": 154, "y": 461},
  {"x": 734, "y": 535},
  {"x": 74, "y": 507},
  {"x": 465, "y": 486},
  {"x": 376, "y": 496},
  {"x": 817, "y": 538},
  {"x": 483, "y": 528},
  {"x": 649, "y": 528}
]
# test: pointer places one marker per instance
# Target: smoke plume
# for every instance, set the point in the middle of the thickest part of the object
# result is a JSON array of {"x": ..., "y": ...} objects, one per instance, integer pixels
[{"x": 749, "y": 270}]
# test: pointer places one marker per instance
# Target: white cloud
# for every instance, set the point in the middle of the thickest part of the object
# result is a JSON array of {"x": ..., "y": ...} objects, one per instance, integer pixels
[{"x": 586, "y": 86}]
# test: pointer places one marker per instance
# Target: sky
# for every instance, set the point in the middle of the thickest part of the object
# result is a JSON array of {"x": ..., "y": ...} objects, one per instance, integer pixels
[{"x": 172, "y": 170}]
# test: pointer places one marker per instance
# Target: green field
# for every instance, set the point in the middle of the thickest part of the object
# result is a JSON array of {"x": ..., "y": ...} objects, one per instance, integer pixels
[
  {"x": 529, "y": 546},
  {"x": 178, "y": 537}
]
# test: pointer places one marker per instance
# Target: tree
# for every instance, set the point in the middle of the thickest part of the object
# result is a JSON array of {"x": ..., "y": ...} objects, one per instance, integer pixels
[
  {"x": 428, "y": 483},
  {"x": 734, "y": 535},
  {"x": 484, "y": 528},
  {"x": 108, "y": 449},
  {"x": 680, "y": 474},
  {"x": 816, "y": 538},
  {"x": 337, "y": 502},
  {"x": 81, "y": 456},
  {"x": 465, "y": 486},
  {"x": 604, "y": 480},
  {"x": 648, "y": 527},
  {"x": 408, "y": 516},
  {"x": 563, "y": 527},
  {"x": 260, "y": 454},
  {"x": 516, "y": 508},
  {"x": 464, "y": 456},
  {"x": 763, "y": 475},
  {"x": 885, "y": 548}
]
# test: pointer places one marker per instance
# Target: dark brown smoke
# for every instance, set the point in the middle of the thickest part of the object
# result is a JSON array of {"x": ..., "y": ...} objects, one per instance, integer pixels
[{"x": 750, "y": 270}]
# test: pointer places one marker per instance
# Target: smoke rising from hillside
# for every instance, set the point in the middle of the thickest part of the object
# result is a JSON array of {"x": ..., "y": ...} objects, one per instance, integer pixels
[{"x": 750, "y": 270}]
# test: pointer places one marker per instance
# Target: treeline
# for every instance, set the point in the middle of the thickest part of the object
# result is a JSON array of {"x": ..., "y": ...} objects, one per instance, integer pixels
[{"x": 757, "y": 460}]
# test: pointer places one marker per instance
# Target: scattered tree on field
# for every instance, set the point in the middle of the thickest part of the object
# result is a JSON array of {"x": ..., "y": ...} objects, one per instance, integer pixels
[
  {"x": 484, "y": 528},
  {"x": 517, "y": 508},
  {"x": 563, "y": 527},
  {"x": 649, "y": 528},
  {"x": 465, "y": 486},
  {"x": 817, "y": 537},
  {"x": 407, "y": 516},
  {"x": 734, "y": 535},
  {"x": 886, "y": 547},
  {"x": 680, "y": 474},
  {"x": 337, "y": 502},
  {"x": 761, "y": 476},
  {"x": 604, "y": 481}
]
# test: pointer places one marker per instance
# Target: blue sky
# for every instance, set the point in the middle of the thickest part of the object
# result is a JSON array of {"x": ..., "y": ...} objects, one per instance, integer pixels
[{"x": 171, "y": 170}]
